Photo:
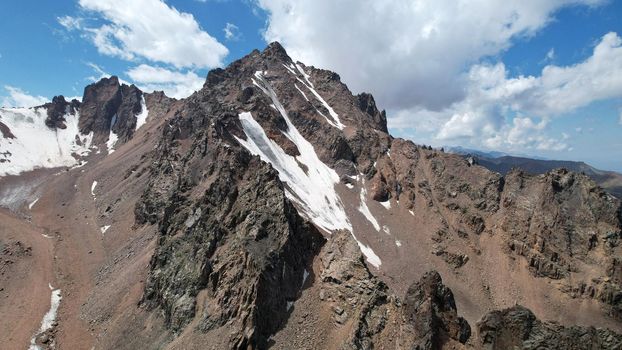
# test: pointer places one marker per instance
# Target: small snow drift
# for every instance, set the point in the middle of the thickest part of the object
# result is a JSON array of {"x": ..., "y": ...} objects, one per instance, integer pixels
[
  {"x": 93, "y": 187},
  {"x": 32, "y": 204},
  {"x": 105, "y": 228},
  {"x": 35, "y": 145}
]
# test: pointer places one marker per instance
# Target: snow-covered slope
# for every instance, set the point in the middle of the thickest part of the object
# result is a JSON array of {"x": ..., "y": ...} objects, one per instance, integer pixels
[{"x": 34, "y": 145}]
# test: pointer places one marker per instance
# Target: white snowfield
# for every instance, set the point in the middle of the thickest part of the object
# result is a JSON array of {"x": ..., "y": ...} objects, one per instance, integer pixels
[
  {"x": 37, "y": 146},
  {"x": 48, "y": 318},
  {"x": 312, "y": 190}
]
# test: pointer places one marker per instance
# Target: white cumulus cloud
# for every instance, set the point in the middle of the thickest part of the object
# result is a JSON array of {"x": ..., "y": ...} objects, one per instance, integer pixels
[
  {"x": 232, "y": 32},
  {"x": 173, "y": 83},
  {"x": 434, "y": 64},
  {"x": 407, "y": 53},
  {"x": 147, "y": 29},
  {"x": 19, "y": 98}
]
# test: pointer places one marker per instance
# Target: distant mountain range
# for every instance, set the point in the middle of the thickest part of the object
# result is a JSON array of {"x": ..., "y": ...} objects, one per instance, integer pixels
[{"x": 502, "y": 163}]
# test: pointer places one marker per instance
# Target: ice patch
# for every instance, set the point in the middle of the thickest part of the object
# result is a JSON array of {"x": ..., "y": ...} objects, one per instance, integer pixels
[
  {"x": 313, "y": 188},
  {"x": 93, "y": 187},
  {"x": 141, "y": 118},
  {"x": 48, "y": 318},
  {"x": 386, "y": 204},
  {"x": 103, "y": 229},
  {"x": 37, "y": 146},
  {"x": 32, "y": 204},
  {"x": 365, "y": 210}
]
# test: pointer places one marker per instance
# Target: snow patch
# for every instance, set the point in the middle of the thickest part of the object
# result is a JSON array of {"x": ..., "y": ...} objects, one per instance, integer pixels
[
  {"x": 32, "y": 204},
  {"x": 370, "y": 256},
  {"x": 141, "y": 118},
  {"x": 411, "y": 212},
  {"x": 37, "y": 146},
  {"x": 398, "y": 243},
  {"x": 305, "y": 275},
  {"x": 112, "y": 137},
  {"x": 365, "y": 210},
  {"x": 314, "y": 189},
  {"x": 350, "y": 186},
  {"x": 105, "y": 228},
  {"x": 386, "y": 204},
  {"x": 93, "y": 187},
  {"x": 48, "y": 318}
]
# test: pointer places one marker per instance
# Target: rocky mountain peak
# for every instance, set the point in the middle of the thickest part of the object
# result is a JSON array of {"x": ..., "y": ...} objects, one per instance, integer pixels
[{"x": 109, "y": 110}]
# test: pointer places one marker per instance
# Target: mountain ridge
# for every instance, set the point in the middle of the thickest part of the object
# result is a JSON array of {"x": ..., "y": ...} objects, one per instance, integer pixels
[{"x": 271, "y": 208}]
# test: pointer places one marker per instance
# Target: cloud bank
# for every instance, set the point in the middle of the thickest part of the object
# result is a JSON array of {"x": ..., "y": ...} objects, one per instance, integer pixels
[{"x": 426, "y": 63}]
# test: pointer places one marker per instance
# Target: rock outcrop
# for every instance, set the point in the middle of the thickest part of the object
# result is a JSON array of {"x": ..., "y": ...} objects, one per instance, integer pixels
[
  {"x": 518, "y": 328},
  {"x": 58, "y": 109}
]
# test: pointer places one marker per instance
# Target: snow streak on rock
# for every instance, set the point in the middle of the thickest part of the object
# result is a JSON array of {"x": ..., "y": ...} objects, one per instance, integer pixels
[
  {"x": 334, "y": 120},
  {"x": 365, "y": 210},
  {"x": 313, "y": 188},
  {"x": 37, "y": 146}
]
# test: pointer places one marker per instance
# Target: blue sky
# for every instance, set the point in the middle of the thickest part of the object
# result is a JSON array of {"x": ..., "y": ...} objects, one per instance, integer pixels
[{"x": 539, "y": 77}]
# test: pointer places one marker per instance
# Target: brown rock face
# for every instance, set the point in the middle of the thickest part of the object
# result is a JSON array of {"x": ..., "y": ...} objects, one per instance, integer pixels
[
  {"x": 518, "y": 328},
  {"x": 6, "y": 132},
  {"x": 430, "y": 308},
  {"x": 108, "y": 106}
]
